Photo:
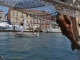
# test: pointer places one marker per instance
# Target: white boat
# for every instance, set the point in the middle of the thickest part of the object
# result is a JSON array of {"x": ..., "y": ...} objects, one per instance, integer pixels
[
  {"x": 18, "y": 34},
  {"x": 53, "y": 28},
  {"x": 28, "y": 34},
  {"x": 4, "y": 25}
]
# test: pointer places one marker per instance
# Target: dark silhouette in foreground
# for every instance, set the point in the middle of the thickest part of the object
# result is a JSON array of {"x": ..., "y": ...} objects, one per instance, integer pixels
[{"x": 65, "y": 24}]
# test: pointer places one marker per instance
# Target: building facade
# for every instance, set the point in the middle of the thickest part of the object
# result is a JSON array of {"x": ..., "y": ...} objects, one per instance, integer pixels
[
  {"x": 44, "y": 21},
  {"x": 16, "y": 17},
  {"x": 1, "y": 14}
]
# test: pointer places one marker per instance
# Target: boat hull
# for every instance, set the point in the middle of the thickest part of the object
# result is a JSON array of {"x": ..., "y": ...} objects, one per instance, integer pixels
[
  {"x": 53, "y": 31},
  {"x": 19, "y": 35},
  {"x": 27, "y": 34}
]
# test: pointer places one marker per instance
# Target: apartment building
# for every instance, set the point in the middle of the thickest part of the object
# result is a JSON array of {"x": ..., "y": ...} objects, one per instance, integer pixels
[
  {"x": 1, "y": 14},
  {"x": 45, "y": 19},
  {"x": 16, "y": 17}
]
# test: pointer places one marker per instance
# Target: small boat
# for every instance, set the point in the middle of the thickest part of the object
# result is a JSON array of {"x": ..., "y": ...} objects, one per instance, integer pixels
[
  {"x": 55, "y": 30},
  {"x": 27, "y": 34}
]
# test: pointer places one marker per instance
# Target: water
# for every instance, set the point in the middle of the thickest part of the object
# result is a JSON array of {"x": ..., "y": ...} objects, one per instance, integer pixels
[{"x": 48, "y": 46}]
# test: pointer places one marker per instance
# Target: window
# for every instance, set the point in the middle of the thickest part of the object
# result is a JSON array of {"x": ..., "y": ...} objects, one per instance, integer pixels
[
  {"x": 26, "y": 15},
  {"x": 12, "y": 20},
  {"x": 22, "y": 19},
  {"x": 22, "y": 15},
  {"x": 16, "y": 20},
  {"x": 13, "y": 13},
  {"x": 16, "y": 13}
]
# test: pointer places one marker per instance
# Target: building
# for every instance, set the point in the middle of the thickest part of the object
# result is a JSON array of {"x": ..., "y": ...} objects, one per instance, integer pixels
[
  {"x": 44, "y": 20},
  {"x": 16, "y": 17},
  {"x": 1, "y": 14}
]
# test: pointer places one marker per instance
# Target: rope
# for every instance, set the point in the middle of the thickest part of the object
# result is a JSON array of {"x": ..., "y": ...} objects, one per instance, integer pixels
[
  {"x": 65, "y": 8},
  {"x": 69, "y": 7},
  {"x": 2, "y": 57}
]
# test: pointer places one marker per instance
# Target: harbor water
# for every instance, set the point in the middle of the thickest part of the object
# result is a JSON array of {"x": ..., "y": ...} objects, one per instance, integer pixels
[{"x": 48, "y": 46}]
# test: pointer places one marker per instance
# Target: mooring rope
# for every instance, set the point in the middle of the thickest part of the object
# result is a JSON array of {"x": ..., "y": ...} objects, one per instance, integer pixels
[
  {"x": 66, "y": 8},
  {"x": 2, "y": 57}
]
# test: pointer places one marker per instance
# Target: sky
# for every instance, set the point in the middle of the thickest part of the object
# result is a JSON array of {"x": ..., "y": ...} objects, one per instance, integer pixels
[{"x": 4, "y": 9}]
